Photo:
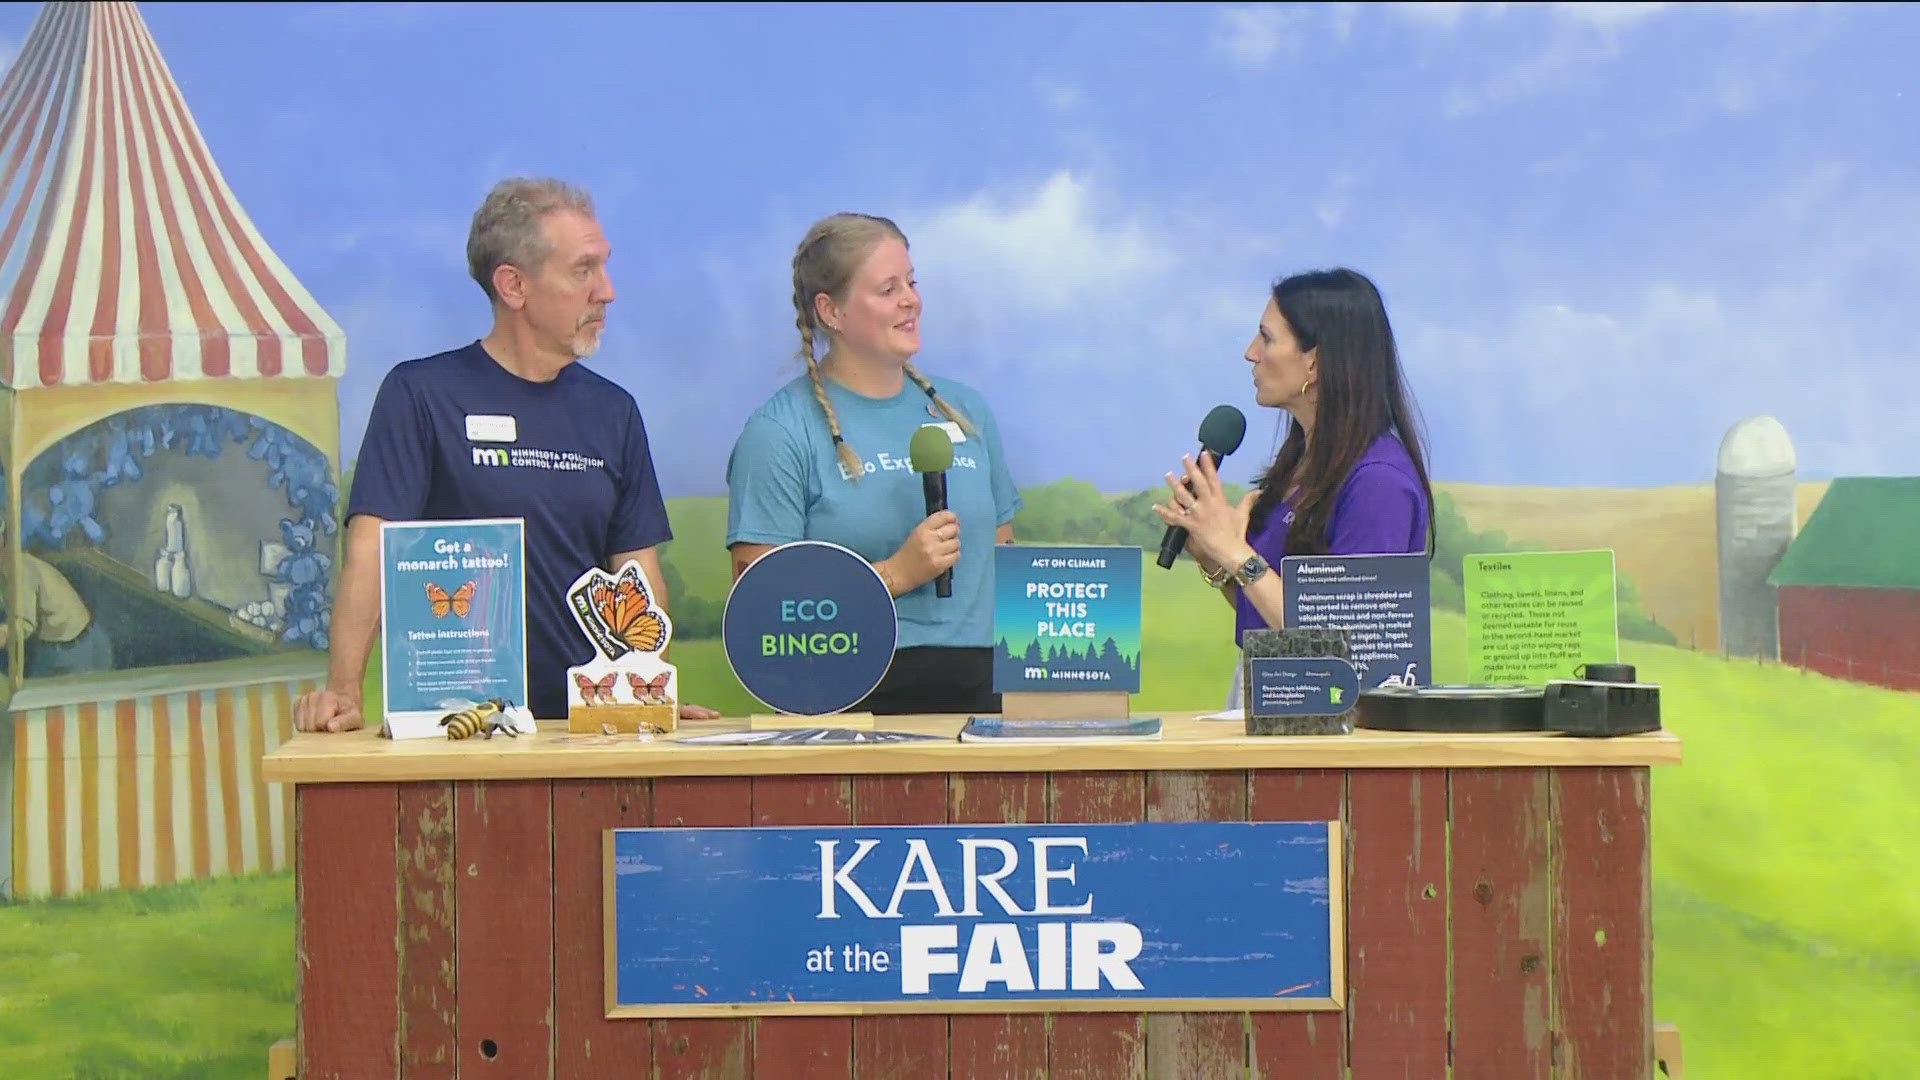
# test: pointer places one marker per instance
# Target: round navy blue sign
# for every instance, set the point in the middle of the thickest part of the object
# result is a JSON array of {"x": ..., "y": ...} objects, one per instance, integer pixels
[{"x": 809, "y": 628}]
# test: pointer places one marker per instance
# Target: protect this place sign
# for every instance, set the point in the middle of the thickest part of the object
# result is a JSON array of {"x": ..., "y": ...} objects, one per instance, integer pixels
[
  {"x": 1535, "y": 616},
  {"x": 1066, "y": 618},
  {"x": 1237, "y": 915}
]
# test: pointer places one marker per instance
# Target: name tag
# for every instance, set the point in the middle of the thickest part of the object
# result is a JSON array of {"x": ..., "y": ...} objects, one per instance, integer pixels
[
  {"x": 952, "y": 429},
  {"x": 492, "y": 429}
]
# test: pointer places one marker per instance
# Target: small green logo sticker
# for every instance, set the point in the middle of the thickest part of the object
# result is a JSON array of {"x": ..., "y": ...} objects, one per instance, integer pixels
[{"x": 1333, "y": 694}]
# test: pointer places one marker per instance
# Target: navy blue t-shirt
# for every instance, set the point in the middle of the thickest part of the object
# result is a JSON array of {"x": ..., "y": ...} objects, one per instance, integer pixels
[{"x": 577, "y": 469}]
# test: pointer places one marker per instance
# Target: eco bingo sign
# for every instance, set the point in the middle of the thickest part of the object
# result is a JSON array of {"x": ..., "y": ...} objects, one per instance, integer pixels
[
  {"x": 809, "y": 628},
  {"x": 943, "y": 918}
]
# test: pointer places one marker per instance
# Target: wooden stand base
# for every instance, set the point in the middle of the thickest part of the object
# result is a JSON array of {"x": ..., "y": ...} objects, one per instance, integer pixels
[
  {"x": 851, "y": 721},
  {"x": 1078, "y": 705},
  {"x": 624, "y": 719}
]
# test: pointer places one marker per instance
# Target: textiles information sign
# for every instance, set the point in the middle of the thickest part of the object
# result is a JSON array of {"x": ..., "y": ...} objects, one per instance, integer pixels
[
  {"x": 1537, "y": 615},
  {"x": 453, "y": 614},
  {"x": 1166, "y": 916},
  {"x": 1066, "y": 619}
]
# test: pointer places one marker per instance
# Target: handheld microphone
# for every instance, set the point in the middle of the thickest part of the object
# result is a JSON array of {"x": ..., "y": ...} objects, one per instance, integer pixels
[
  {"x": 931, "y": 451},
  {"x": 1220, "y": 435}
]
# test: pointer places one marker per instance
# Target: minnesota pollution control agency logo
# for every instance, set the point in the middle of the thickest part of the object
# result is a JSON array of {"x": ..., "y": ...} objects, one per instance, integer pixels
[{"x": 489, "y": 455}]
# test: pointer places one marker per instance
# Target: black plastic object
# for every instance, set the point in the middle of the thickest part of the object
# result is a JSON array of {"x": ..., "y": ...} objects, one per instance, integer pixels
[
  {"x": 1467, "y": 709},
  {"x": 1608, "y": 702}
]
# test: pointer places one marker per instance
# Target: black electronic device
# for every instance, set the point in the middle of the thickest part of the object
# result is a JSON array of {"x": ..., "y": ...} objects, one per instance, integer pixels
[
  {"x": 1460, "y": 709},
  {"x": 1608, "y": 701}
]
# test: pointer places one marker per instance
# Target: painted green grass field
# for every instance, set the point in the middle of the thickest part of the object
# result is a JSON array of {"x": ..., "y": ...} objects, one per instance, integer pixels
[{"x": 1787, "y": 918}]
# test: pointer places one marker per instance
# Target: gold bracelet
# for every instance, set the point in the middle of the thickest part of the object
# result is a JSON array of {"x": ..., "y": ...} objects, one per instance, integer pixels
[
  {"x": 886, "y": 579},
  {"x": 1216, "y": 579}
]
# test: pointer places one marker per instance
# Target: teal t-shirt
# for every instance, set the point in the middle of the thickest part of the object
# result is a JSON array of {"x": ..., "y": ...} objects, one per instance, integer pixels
[{"x": 785, "y": 483}]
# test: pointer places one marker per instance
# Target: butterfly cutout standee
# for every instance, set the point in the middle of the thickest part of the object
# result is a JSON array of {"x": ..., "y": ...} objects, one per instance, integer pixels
[{"x": 629, "y": 632}]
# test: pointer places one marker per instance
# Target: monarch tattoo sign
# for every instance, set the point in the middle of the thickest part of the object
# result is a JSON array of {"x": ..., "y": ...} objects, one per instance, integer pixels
[
  {"x": 1152, "y": 916},
  {"x": 452, "y": 617}
]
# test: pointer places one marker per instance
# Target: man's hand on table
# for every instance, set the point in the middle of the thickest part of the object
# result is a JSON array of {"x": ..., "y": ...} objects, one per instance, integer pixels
[{"x": 327, "y": 710}]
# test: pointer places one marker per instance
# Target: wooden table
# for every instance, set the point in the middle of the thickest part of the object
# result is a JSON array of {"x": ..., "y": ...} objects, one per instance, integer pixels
[{"x": 1498, "y": 901}]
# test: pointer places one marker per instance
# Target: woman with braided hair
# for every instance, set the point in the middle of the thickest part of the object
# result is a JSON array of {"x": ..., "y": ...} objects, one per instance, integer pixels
[{"x": 826, "y": 459}]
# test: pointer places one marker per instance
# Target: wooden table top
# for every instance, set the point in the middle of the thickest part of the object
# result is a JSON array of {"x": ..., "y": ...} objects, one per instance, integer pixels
[{"x": 1187, "y": 742}]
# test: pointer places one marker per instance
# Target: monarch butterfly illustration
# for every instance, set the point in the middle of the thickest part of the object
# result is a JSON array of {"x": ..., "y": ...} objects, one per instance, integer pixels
[
  {"x": 649, "y": 691},
  {"x": 594, "y": 692},
  {"x": 460, "y": 601},
  {"x": 622, "y": 608}
]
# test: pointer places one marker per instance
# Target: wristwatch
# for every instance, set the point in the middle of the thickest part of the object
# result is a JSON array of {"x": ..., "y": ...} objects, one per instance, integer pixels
[{"x": 1250, "y": 570}]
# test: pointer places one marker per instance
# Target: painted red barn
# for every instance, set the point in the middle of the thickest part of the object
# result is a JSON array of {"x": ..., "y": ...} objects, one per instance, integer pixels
[{"x": 1850, "y": 584}]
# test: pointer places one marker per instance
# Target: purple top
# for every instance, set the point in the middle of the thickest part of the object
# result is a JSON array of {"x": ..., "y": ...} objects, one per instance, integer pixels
[{"x": 1380, "y": 510}]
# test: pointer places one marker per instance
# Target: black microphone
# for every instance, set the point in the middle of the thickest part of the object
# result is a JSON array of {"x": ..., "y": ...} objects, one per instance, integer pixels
[
  {"x": 931, "y": 451},
  {"x": 1220, "y": 435}
]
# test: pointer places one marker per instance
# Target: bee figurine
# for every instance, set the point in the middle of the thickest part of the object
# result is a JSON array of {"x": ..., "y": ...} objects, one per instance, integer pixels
[{"x": 486, "y": 717}]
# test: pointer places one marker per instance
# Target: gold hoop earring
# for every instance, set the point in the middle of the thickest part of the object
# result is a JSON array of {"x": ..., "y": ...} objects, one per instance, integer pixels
[{"x": 1305, "y": 387}]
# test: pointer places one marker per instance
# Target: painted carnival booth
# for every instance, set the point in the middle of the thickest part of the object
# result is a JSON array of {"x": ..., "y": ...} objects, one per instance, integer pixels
[{"x": 169, "y": 428}]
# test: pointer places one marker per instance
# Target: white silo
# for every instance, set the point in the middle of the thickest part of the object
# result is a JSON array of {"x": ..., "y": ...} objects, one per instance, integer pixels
[{"x": 1754, "y": 499}]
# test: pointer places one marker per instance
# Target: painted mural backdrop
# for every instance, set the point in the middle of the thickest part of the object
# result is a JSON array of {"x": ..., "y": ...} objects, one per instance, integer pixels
[
  {"x": 1650, "y": 268},
  {"x": 175, "y": 534}
]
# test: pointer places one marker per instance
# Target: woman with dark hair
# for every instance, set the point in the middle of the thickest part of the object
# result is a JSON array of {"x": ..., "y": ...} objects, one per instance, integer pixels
[{"x": 1350, "y": 477}]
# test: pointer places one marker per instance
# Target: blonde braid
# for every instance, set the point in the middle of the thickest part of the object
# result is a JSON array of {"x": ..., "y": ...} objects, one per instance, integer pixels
[
  {"x": 946, "y": 410},
  {"x": 803, "y": 318}
]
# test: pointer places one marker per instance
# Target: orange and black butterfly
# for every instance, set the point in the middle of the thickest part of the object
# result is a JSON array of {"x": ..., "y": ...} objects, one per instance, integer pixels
[
  {"x": 595, "y": 693},
  {"x": 622, "y": 608},
  {"x": 649, "y": 691},
  {"x": 460, "y": 601}
]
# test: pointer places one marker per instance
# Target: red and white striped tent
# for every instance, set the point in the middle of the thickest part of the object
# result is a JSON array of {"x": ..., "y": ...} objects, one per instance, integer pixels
[
  {"x": 124, "y": 257},
  {"x": 131, "y": 276}
]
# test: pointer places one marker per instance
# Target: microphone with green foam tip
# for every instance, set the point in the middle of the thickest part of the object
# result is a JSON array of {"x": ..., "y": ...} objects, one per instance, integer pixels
[{"x": 932, "y": 454}]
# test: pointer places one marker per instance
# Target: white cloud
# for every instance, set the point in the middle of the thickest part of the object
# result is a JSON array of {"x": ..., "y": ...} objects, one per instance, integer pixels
[
  {"x": 1683, "y": 362},
  {"x": 1605, "y": 16},
  {"x": 1331, "y": 207},
  {"x": 1440, "y": 15},
  {"x": 370, "y": 16},
  {"x": 1254, "y": 36},
  {"x": 1609, "y": 15},
  {"x": 1061, "y": 97},
  {"x": 1047, "y": 248}
]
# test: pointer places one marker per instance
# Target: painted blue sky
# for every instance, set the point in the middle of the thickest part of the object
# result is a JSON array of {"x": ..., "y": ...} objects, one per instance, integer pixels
[{"x": 1605, "y": 231}]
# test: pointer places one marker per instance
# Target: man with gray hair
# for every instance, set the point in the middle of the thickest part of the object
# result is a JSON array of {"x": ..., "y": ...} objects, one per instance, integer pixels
[{"x": 508, "y": 426}]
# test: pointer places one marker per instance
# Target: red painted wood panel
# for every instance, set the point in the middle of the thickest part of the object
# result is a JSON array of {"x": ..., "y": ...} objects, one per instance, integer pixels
[
  {"x": 503, "y": 911},
  {"x": 1196, "y": 1044},
  {"x": 803, "y": 1047},
  {"x": 587, "y": 1045},
  {"x": 429, "y": 1010},
  {"x": 1309, "y": 1045},
  {"x": 1602, "y": 923},
  {"x": 702, "y": 1048},
  {"x": 986, "y": 1044},
  {"x": 1096, "y": 1046},
  {"x": 345, "y": 880},
  {"x": 1502, "y": 923},
  {"x": 1397, "y": 924},
  {"x": 900, "y": 1047}
]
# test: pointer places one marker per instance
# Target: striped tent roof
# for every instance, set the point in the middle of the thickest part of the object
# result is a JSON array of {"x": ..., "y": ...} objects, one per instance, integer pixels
[{"x": 124, "y": 257}]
